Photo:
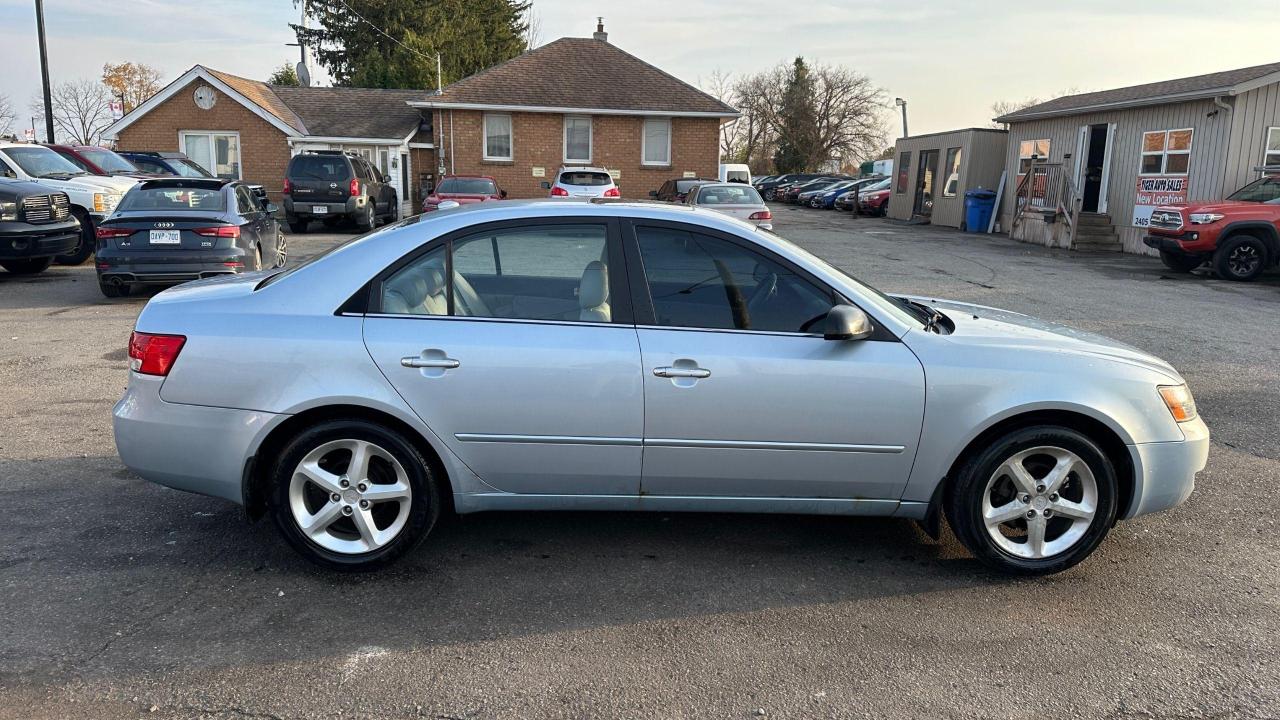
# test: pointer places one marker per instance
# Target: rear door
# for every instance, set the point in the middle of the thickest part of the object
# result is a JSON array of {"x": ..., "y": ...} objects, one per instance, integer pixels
[
  {"x": 321, "y": 179},
  {"x": 514, "y": 344},
  {"x": 252, "y": 219}
]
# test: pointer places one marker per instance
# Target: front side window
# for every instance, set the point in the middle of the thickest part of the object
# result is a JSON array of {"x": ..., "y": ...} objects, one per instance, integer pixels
[
  {"x": 497, "y": 136},
  {"x": 38, "y": 161},
  {"x": 697, "y": 281},
  {"x": 952, "y": 168},
  {"x": 1166, "y": 152},
  {"x": 577, "y": 138},
  {"x": 657, "y": 142},
  {"x": 108, "y": 161},
  {"x": 1272, "y": 154},
  {"x": 555, "y": 272},
  {"x": 219, "y": 152}
]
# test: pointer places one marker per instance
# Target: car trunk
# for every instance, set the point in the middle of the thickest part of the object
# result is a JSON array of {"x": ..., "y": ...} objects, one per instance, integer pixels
[{"x": 167, "y": 233}]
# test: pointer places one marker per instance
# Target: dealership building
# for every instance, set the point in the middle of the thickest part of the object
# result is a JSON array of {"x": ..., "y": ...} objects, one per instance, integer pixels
[{"x": 1128, "y": 150}]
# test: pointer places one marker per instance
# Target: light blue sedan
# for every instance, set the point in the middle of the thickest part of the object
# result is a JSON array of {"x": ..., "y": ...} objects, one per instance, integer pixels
[{"x": 610, "y": 356}]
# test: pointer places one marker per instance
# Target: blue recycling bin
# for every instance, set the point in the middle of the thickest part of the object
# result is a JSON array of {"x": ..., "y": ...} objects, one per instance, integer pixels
[{"x": 978, "y": 206}]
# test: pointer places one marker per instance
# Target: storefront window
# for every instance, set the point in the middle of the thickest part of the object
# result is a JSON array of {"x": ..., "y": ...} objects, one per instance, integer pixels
[
  {"x": 904, "y": 168},
  {"x": 952, "y": 169},
  {"x": 1166, "y": 152},
  {"x": 1272, "y": 156}
]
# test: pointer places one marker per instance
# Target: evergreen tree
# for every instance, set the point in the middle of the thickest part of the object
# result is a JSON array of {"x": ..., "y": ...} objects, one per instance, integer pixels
[
  {"x": 393, "y": 43},
  {"x": 284, "y": 75},
  {"x": 798, "y": 135}
]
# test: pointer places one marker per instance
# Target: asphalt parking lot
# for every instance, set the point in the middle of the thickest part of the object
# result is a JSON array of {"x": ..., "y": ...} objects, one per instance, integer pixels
[{"x": 123, "y": 599}]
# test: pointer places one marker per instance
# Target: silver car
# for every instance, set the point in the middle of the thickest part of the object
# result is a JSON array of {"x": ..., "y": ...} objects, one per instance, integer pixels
[
  {"x": 584, "y": 182},
  {"x": 733, "y": 199},
  {"x": 634, "y": 356}
]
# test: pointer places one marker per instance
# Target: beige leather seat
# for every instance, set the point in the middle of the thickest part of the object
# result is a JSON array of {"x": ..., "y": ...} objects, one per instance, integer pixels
[
  {"x": 593, "y": 293},
  {"x": 417, "y": 291}
]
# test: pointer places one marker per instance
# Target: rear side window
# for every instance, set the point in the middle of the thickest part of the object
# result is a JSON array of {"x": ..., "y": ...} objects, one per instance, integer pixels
[
  {"x": 320, "y": 167},
  {"x": 173, "y": 199},
  {"x": 585, "y": 178}
]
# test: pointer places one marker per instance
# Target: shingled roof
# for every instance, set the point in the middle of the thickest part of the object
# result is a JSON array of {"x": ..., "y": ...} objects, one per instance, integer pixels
[
  {"x": 1229, "y": 82},
  {"x": 352, "y": 112},
  {"x": 260, "y": 94},
  {"x": 579, "y": 74}
]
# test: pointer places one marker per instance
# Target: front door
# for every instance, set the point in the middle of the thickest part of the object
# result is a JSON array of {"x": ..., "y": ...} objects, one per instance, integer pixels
[
  {"x": 924, "y": 183},
  {"x": 744, "y": 399},
  {"x": 1094, "y": 164},
  {"x": 508, "y": 345}
]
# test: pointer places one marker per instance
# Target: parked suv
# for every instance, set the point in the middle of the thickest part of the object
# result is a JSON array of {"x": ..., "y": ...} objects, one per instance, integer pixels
[
  {"x": 588, "y": 182},
  {"x": 333, "y": 185},
  {"x": 35, "y": 226},
  {"x": 1239, "y": 236},
  {"x": 675, "y": 189},
  {"x": 165, "y": 163},
  {"x": 93, "y": 197}
]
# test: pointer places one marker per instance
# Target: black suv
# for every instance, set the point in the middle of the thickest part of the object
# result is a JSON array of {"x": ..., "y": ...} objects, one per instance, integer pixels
[
  {"x": 333, "y": 185},
  {"x": 35, "y": 226}
]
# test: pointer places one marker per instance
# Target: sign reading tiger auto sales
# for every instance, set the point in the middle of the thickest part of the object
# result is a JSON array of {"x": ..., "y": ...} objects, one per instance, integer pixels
[{"x": 1154, "y": 191}]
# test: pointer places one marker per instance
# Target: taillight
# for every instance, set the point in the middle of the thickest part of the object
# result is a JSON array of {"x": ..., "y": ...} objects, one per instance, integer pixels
[
  {"x": 288, "y": 186},
  {"x": 106, "y": 233},
  {"x": 354, "y": 188},
  {"x": 612, "y": 192},
  {"x": 762, "y": 215},
  {"x": 559, "y": 192},
  {"x": 221, "y": 231},
  {"x": 154, "y": 354}
]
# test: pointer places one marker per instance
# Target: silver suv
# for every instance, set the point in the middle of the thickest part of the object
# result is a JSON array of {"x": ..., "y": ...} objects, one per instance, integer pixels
[{"x": 584, "y": 182}]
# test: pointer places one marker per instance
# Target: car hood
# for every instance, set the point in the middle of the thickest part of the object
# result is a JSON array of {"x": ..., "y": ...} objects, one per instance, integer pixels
[
  {"x": 980, "y": 325},
  {"x": 461, "y": 199},
  {"x": 1217, "y": 206},
  {"x": 99, "y": 183}
]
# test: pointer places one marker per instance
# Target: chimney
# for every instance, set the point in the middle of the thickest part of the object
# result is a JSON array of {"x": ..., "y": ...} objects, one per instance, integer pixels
[{"x": 600, "y": 34}]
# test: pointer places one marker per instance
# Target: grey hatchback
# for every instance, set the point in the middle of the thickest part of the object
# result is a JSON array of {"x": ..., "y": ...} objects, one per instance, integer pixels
[{"x": 638, "y": 356}]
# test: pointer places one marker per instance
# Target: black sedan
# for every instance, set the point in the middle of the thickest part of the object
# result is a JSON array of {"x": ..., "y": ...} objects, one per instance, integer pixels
[{"x": 171, "y": 230}]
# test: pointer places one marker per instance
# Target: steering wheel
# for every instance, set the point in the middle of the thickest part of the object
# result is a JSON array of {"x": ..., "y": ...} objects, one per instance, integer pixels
[{"x": 766, "y": 291}]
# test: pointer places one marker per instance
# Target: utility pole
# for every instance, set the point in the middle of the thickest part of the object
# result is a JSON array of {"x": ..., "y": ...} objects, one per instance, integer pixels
[{"x": 44, "y": 73}]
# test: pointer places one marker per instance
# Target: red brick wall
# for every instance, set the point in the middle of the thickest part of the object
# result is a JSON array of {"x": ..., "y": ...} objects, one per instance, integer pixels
[
  {"x": 538, "y": 141},
  {"x": 264, "y": 153}
]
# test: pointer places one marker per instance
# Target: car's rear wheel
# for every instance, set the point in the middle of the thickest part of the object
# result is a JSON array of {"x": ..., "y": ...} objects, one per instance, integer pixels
[
  {"x": 27, "y": 267},
  {"x": 114, "y": 290},
  {"x": 282, "y": 250},
  {"x": 369, "y": 219},
  {"x": 1035, "y": 501},
  {"x": 353, "y": 494},
  {"x": 1240, "y": 257},
  {"x": 88, "y": 241},
  {"x": 1180, "y": 263}
]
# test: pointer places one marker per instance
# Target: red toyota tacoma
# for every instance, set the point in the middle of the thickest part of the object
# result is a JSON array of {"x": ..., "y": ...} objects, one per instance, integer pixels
[
  {"x": 1239, "y": 236},
  {"x": 464, "y": 190}
]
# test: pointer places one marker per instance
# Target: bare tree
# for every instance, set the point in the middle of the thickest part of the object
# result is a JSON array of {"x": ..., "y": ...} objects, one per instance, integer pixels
[
  {"x": 1000, "y": 108},
  {"x": 81, "y": 110},
  {"x": 850, "y": 112},
  {"x": 533, "y": 28},
  {"x": 7, "y": 114}
]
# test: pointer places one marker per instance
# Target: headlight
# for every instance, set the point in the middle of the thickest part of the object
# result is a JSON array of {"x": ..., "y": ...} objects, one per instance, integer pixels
[
  {"x": 1179, "y": 401},
  {"x": 111, "y": 202},
  {"x": 1205, "y": 218},
  {"x": 8, "y": 211},
  {"x": 99, "y": 202}
]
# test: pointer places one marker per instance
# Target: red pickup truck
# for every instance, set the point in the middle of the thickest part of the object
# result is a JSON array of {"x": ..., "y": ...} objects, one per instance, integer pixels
[{"x": 1239, "y": 236}]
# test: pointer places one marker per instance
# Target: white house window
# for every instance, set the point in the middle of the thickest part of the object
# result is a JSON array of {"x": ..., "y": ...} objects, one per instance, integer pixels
[
  {"x": 657, "y": 142},
  {"x": 497, "y": 136},
  {"x": 1272, "y": 155},
  {"x": 1166, "y": 152},
  {"x": 217, "y": 152},
  {"x": 577, "y": 138}
]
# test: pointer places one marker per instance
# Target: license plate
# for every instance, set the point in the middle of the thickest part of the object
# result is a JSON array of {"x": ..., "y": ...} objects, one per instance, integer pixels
[
  {"x": 166, "y": 237},
  {"x": 320, "y": 209}
]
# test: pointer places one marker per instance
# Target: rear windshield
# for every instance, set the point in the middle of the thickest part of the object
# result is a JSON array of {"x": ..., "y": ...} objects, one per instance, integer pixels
[
  {"x": 737, "y": 175},
  {"x": 468, "y": 186},
  {"x": 721, "y": 195},
  {"x": 168, "y": 199},
  {"x": 585, "y": 178},
  {"x": 320, "y": 167},
  {"x": 108, "y": 160}
]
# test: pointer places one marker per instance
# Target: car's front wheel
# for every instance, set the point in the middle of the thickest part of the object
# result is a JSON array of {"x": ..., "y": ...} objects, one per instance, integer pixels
[
  {"x": 1180, "y": 263},
  {"x": 88, "y": 241},
  {"x": 1036, "y": 501},
  {"x": 353, "y": 494},
  {"x": 1241, "y": 257}
]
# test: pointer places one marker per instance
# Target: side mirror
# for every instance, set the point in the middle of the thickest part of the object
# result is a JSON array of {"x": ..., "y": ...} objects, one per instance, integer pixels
[
  {"x": 386, "y": 178},
  {"x": 653, "y": 194},
  {"x": 545, "y": 185},
  {"x": 502, "y": 194},
  {"x": 846, "y": 322},
  {"x": 272, "y": 208}
]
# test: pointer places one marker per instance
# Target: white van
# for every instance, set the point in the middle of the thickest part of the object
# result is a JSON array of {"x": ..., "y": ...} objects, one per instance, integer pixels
[{"x": 735, "y": 173}]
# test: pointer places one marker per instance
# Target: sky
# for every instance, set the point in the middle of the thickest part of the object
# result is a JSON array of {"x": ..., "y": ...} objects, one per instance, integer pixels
[{"x": 949, "y": 59}]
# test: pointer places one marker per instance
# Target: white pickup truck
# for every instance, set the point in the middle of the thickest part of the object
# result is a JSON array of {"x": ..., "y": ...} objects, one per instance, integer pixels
[{"x": 93, "y": 197}]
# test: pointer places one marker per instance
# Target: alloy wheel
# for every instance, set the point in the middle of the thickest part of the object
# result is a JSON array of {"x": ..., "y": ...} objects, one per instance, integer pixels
[
  {"x": 1040, "y": 502},
  {"x": 1244, "y": 260},
  {"x": 350, "y": 496},
  {"x": 282, "y": 250}
]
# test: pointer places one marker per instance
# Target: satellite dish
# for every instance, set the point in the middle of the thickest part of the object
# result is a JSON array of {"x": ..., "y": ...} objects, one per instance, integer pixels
[{"x": 304, "y": 75}]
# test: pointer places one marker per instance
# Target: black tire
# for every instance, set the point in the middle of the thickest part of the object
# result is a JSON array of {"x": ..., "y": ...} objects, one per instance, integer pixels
[
  {"x": 27, "y": 267},
  {"x": 112, "y": 290},
  {"x": 368, "y": 220},
  {"x": 770, "y": 194},
  {"x": 282, "y": 250},
  {"x": 298, "y": 227},
  {"x": 88, "y": 241},
  {"x": 963, "y": 500},
  {"x": 424, "y": 504},
  {"x": 1180, "y": 263},
  {"x": 1240, "y": 258}
]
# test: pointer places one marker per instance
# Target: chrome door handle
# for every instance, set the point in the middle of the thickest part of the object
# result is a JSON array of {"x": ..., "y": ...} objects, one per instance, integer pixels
[
  {"x": 415, "y": 361},
  {"x": 681, "y": 372}
]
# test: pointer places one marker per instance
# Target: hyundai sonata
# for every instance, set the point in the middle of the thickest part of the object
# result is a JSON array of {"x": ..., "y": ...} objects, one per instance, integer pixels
[{"x": 609, "y": 356}]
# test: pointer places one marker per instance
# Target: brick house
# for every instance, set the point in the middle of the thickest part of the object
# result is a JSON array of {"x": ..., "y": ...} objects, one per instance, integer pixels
[{"x": 575, "y": 101}]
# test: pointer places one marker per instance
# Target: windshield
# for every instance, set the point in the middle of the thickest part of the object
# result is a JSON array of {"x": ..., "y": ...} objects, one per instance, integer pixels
[
  {"x": 187, "y": 168},
  {"x": 39, "y": 161},
  {"x": 729, "y": 195},
  {"x": 320, "y": 167},
  {"x": 881, "y": 185},
  {"x": 109, "y": 161},
  {"x": 168, "y": 199},
  {"x": 1265, "y": 190},
  {"x": 468, "y": 186}
]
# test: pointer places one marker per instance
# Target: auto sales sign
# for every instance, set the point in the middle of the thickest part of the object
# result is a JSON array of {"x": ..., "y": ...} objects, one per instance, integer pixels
[{"x": 1154, "y": 191}]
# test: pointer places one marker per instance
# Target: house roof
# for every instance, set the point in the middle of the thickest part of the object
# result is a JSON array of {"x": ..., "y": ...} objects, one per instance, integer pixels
[
  {"x": 579, "y": 74},
  {"x": 352, "y": 112},
  {"x": 1226, "y": 83},
  {"x": 260, "y": 94}
]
